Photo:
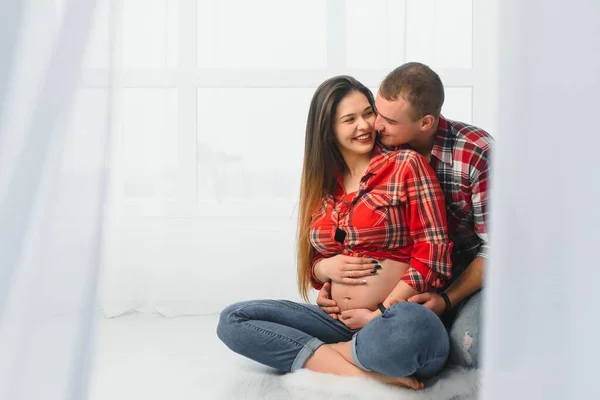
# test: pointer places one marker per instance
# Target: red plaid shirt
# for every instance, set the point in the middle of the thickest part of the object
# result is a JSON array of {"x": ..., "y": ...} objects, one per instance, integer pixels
[
  {"x": 397, "y": 213},
  {"x": 461, "y": 159}
]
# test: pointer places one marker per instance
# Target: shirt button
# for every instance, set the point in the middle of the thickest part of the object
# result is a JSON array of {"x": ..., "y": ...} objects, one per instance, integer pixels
[{"x": 345, "y": 203}]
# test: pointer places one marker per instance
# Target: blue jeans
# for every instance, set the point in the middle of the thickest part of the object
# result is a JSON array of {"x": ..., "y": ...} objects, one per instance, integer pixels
[
  {"x": 465, "y": 333},
  {"x": 283, "y": 335}
]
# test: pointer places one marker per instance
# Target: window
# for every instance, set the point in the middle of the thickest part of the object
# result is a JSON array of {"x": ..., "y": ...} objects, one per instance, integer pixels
[{"x": 213, "y": 94}]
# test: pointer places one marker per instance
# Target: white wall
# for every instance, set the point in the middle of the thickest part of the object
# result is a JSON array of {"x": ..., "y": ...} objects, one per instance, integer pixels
[{"x": 209, "y": 148}]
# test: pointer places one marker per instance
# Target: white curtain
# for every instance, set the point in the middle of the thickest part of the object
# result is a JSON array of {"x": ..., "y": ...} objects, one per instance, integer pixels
[
  {"x": 53, "y": 170},
  {"x": 541, "y": 331},
  {"x": 542, "y": 328}
]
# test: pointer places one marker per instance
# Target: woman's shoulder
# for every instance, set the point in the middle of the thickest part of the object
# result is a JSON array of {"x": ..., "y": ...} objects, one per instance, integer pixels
[
  {"x": 401, "y": 157},
  {"x": 402, "y": 154}
]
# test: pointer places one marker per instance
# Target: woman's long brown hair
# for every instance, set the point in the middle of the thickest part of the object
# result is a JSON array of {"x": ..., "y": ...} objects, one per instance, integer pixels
[{"x": 322, "y": 161}]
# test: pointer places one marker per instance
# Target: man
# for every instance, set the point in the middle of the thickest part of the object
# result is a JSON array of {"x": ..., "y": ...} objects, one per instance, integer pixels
[{"x": 409, "y": 103}]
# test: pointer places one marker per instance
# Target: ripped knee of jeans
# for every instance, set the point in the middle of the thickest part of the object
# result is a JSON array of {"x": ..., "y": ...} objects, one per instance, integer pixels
[{"x": 467, "y": 347}]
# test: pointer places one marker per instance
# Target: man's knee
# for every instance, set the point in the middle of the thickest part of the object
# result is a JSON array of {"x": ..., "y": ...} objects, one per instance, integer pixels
[{"x": 465, "y": 337}]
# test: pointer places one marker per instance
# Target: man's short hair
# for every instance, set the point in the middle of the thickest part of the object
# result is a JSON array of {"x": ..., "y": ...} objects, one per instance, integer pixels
[{"x": 419, "y": 85}]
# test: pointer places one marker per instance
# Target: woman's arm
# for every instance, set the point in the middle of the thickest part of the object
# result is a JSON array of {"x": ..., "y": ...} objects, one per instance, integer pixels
[
  {"x": 317, "y": 275},
  {"x": 424, "y": 211},
  {"x": 402, "y": 292}
]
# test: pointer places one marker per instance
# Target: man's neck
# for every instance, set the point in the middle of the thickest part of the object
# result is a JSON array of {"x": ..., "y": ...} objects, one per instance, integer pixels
[{"x": 423, "y": 148}]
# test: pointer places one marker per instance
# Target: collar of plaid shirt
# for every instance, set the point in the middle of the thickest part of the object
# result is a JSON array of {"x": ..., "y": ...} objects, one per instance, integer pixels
[{"x": 442, "y": 145}]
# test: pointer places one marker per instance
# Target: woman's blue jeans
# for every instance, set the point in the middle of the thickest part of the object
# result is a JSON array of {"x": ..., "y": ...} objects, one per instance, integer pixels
[{"x": 283, "y": 335}]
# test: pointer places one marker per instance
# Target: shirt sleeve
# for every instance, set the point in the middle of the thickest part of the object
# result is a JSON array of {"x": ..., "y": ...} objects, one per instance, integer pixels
[
  {"x": 424, "y": 208},
  {"x": 479, "y": 197}
]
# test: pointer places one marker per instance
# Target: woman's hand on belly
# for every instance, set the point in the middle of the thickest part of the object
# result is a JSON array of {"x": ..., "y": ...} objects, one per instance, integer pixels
[
  {"x": 358, "y": 317},
  {"x": 345, "y": 269},
  {"x": 378, "y": 286}
]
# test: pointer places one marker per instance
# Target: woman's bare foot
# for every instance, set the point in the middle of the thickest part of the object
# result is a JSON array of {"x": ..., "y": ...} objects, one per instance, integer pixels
[
  {"x": 406, "y": 382},
  {"x": 344, "y": 349},
  {"x": 326, "y": 360}
]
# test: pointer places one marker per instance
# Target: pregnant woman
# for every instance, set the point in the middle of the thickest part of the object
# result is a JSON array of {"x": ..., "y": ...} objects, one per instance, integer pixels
[{"x": 371, "y": 225}]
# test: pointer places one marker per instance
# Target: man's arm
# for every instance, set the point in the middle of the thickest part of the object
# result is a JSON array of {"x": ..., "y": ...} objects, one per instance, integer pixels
[{"x": 470, "y": 281}]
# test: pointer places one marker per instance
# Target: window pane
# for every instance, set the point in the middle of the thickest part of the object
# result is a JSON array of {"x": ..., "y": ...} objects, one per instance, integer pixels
[
  {"x": 150, "y": 142},
  {"x": 458, "y": 104},
  {"x": 262, "y": 34},
  {"x": 440, "y": 32},
  {"x": 250, "y": 145},
  {"x": 149, "y": 33},
  {"x": 375, "y": 33},
  {"x": 366, "y": 35}
]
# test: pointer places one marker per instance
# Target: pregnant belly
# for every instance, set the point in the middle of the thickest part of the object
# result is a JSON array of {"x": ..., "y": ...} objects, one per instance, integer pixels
[{"x": 375, "y": 291}]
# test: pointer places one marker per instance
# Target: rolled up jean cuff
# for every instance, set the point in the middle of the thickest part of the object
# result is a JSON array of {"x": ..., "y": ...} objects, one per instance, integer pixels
[
  {"x": 355, "y": 356},
  {"x": 304, "y": 354}
]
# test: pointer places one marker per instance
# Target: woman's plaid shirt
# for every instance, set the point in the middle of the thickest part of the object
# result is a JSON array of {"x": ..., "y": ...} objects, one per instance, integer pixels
[{"x": 397, "y": 213}]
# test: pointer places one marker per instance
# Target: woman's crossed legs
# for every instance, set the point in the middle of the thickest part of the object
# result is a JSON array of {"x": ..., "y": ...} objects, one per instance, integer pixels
[{"x": 288, "y": 336}]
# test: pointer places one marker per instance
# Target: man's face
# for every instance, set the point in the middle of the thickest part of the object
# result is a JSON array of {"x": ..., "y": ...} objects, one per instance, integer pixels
[{"x": 395, "y": 122}]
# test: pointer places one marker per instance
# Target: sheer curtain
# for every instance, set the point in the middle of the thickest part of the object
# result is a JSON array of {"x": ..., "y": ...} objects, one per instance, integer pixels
[
  {"x": 541, "y": 314},
  {"x": 53, "y": 172},
  {"x": 541, "y": 332}
]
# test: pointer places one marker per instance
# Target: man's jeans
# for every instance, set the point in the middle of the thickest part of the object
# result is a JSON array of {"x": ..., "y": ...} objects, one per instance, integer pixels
[
  {"x": 408, "y": 339},
  {"x": 465, "y": 333}
]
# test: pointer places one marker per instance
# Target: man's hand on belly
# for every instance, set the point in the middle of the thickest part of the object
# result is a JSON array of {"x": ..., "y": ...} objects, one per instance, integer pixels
[
  {"x": 358, "y": 317},
  {"x": 326, "y": 303},
  {"x": 431, "y": 300}
]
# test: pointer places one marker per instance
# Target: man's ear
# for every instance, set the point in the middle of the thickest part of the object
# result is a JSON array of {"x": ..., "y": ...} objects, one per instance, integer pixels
[{"x": 427, "y": 122}]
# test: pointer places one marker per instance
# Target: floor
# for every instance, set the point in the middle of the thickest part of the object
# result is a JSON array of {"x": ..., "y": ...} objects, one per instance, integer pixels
[{"x": 142, "y": 356}]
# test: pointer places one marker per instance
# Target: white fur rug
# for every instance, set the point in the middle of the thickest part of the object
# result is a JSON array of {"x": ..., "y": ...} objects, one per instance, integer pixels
[
  {"x": 253, "y": 382},
  {"x": 149, "y": 357}
]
